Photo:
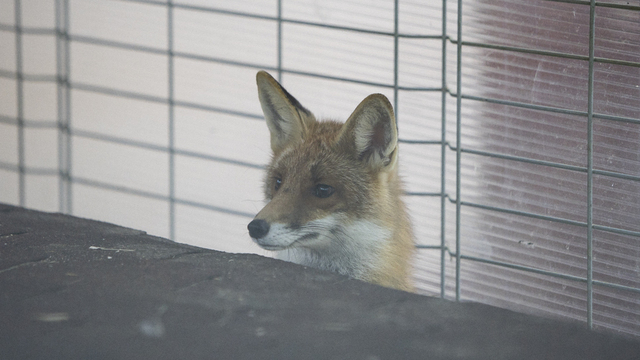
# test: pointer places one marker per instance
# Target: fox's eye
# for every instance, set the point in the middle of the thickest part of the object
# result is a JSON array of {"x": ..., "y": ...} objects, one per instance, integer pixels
[
  {"x": 323, "y": 191},
  {"x": 278, "y": 183}
]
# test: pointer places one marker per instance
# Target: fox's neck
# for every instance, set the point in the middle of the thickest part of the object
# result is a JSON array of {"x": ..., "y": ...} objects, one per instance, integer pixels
[{"x": 354, "y": 250}]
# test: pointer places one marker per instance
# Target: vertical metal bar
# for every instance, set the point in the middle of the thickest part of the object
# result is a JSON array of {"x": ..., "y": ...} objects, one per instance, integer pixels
[
  {"x": 443, "y": 152},
  {"x": 67, "y": 109},
  {"x": 279, "y": 40},
  {"x": 20, "y": 104},
  {"x": 592, "y": 32},
  {"x": 61, "y": 92},
  {"x": 458, "y": 144},
  {"x": 60, "y": 103},
  {"x": 395, "y": 58},
  {"x": 171, "y": 120}
]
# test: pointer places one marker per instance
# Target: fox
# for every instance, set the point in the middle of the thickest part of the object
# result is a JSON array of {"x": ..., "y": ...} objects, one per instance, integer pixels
[{"x": 333, "y": 192}]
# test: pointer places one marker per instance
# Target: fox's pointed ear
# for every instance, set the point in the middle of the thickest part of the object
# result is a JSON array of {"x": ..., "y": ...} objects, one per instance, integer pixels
[
  {"x": 371, "y": 132},
  {"x": 286, "y": 118}
]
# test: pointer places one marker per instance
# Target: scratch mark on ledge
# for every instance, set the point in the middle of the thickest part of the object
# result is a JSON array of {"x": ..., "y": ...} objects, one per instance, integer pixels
[
  {"x": 109, "y": 249},
  {"x": 13, "y": 234},
  {"x": 25, "y": 264}
]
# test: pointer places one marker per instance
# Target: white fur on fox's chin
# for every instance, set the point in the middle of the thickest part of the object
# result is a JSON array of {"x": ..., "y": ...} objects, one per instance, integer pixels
[{"x": 353, "y": 252}]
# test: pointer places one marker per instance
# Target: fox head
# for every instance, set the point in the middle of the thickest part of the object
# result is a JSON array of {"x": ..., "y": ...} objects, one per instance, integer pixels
[{"x": 326, "y": 179}]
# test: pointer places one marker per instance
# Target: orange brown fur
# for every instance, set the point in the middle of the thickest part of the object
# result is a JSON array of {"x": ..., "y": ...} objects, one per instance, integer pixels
[{"x": 361, "y": 228}]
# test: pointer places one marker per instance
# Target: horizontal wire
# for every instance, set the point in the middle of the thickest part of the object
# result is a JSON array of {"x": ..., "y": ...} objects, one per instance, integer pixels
[
  {"x": 535, "y": 216},
  {"x": 616, "y": 230},
  {"x": 546, "y": 163},
  {"x": 34, "y": 124},
  {"x": 425, "y": 194},
  {"x": 123, "y": 189},
  {"x": 523, "y": 160},
  {"x": 529, "y": 269},
  {"x": 178, "y": 54},
  {"x": 151, "y": 195},
  {"x": 546, "y": 108},
  {"x": 159, "y": 99},
  {"x": 528, "y": 214},
  {"x": 548, "y": 53},
  {"x": 550, "y": 218},
  {"x": 600, "y": 4},
  {"x": 161, "y": 148},
  {"x": 346, "y": 28},
  {"x": 360, "y": 82},
  {"x": 617, "y": 118},
  {"x": 420, "y": 142},
  {"x": 197, "y": 155},
  {"x": 27, "y": 77},
  {"x": 525, "y": 214},
  {"x": 616, "y": 175},
  {"x": 28, "y": 30},
  {"x": 522, "y": 105},
  {"x": 29, "y": 170},
  {"x": 292, "y": 21}
]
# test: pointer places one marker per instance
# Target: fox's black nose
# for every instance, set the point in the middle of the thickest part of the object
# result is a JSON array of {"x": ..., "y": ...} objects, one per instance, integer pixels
[{"x": 258, "y": 228}]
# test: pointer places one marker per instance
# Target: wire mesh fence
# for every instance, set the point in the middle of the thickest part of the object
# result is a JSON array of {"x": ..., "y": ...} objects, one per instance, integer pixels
[{"x": 519, "y": 125}]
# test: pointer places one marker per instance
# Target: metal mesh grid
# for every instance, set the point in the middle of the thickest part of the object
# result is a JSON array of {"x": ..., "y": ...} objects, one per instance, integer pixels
[{"x": 448, "y": 149}]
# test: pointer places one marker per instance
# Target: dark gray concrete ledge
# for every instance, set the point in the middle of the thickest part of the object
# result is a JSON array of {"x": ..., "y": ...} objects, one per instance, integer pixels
[{"x": 78, "y": 289}]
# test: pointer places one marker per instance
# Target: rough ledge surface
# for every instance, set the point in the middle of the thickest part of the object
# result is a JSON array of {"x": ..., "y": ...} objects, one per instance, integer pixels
[{"x": 72, "y": 288}]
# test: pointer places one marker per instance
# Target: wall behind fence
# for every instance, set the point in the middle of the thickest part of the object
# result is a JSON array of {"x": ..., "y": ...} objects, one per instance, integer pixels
[{"x": 520, "y": 144}]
